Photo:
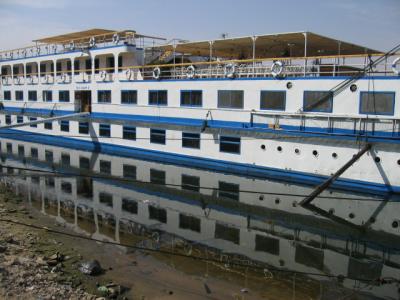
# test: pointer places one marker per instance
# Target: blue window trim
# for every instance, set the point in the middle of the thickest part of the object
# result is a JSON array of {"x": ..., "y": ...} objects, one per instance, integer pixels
[
  {"x": 282, "y": 91},
  {"x": 230, "y": 107},
  {"x": 158, "y": 103},
  {"x": 378, "y": 92},
  {"x": 230, "y": 142},
  {"x": 191, "y": 105},
  {"x": 102, "y": 91},
  {"x": 320, "y": 91},
  {"x": 125, "y": 103},
  {"x": 64, "y": 91}
]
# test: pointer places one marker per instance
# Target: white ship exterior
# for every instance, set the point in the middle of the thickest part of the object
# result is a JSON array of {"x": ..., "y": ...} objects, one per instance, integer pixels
[{"x": 292, "y": 106}]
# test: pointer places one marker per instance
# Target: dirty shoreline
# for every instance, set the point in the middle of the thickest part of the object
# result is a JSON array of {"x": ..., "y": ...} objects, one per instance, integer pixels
[{"x": 38, "y": 264}]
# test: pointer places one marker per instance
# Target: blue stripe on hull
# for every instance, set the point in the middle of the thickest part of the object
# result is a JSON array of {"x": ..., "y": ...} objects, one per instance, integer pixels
[{"x": 190, "y": 161}]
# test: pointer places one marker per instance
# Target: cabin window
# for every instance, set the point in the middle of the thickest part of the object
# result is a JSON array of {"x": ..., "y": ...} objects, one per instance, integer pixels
[
  {"x": 157, "y": 136},
  {"x": 20, "y": 119},
  {"x": 110, "y": 64},
  {"x": 104, "y": 96},
  {"x": 106, "y": 199},
  {"x": 28, "y": 70},
  {"x": 63, "y": 96},
  {"x": 77, "y": 67},
  {"x": 227, "y": 233},
  {"x": 228, "y": 190},
  {"x": 157, "y": 176},
  {"x": 267, "y": 244},
  {"x": 189, "y": 223},
  {"x": 105, "y": 167},
  {"x": 65, "y": 159},
  {"x": 317, "y": 101},
  {"x": 230, "y": 99},
  {"x": 129, "y": 97},
  {"x": 96, "y": 65},
  {"x": 273, "y": 100},
  {"x": 19, "y": 95},
  {"x": 42, "y": 69},
  {"x": 120, "y": 61},
  {"x": 48, "y": 125},
  {"x": 84, "y": 163},
  {"x": 105, "y": 130},
  {"x": 9, "y": 148},
  {"x": 8, "y": 119},
  {"x": 129, "y": 133},
  {"x": 190, "y": 183},
  {"x": 129, "y": 171},
  {"x": 64, "y": 126},
  {"x": 58, "y": 67},
  {"x": 21, "y": 151},
  {"x": 31, "y": 119},
  {"x": 192, "y": 98},
  {"x": 229, "y": 144},
  {"x": 16, "y": 71},
  {"x": 191, "y": 140},
  {"x": 69, "y": 67},
  {"x": 47, "y": 96},
  {"x": 34, "y": 153},
  {"x": 158, "y": 214},
  {"x": 377, "y": 103},
  {"x": 7, "y": 95},
  {"x": 48, "y": 156},
  {"x": 66, "y": 187},
  {"x": 84, "y": 127},
  {"x": 130, "y": 206},
  {"x": 158, "y": 97},
  {"x": 32, "y": 95}
]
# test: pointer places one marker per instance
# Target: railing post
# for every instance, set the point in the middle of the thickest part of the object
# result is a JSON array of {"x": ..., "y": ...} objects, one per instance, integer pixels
[{"x": 305, "y": 53}]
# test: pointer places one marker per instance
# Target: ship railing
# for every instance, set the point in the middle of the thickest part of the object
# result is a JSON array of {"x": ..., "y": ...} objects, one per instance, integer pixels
[{"x": 320, "y": 123}]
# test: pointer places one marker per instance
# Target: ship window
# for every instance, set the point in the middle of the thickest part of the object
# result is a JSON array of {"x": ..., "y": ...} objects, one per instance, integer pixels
[
  {"x": 34, "y": 153},
  {"x": 129, "y": 133},
  {"x": 65, "y": 159},
  {"x": 64, "y": 126},
  {"x": 128, "y": 97},
  {"x": 47, "y": 96},
  {"x": 48, "y": 125},
  {"x": 77, "y": 66},
  {"x": 7, "y": 95},
  {"x": 273, "y": 100},
  {"x": 191, "y": 140},
  {"x": 191, "y": 98},
  {"x": 66, "y": 187},
  {"x": 28, "y": 70},
  {"x": 84, "y": 187},
  {"x": 21, "y": 150},
  {"x": 105, "y": 167},
  {"x": 20, "y": 119},
  {"x": 189, "y": 222},
  {"x": 267, "y": 244},
  {"x": 106, "y": 199},
  {"x": 96, "y": 65},
  {"x": 105, "y": 130},
  {"x": 8, "y": 119},
  {"x": 228, "y": 190},
  {"x": 50, "y": 182},
  {"x": 48, "y": 156},
  {"x": 9, "y": 148},
  {"x": 84, "y": 163},
  {"x": 19, "y": 95},
  {"x": 129, "y": 171},
  {"x": 157, "y": 136},
  {"x": 84, "y": 127},
  {"x": 104, "y": 96},
  {"x": 377, "y": 103},
  {"x": 157, "y": 176},
  {"x": 58, "y": 67},
  {"x": 88, "y": 66},
  {"x": 229, "y": 144},
  {"x": 63, "y": 96},
  {"x": 158, "y": 97},
  {"x": 190, "y": 183},
  {"x": 318, "y": 101},
  {"x": 110, "y": 64},
  {"x": 32, "y": 95},
  {"x": 42, "y": 69},
  {"x": 31, "y": 119},
  {"x": 227, "y": 233},
  {"x": 158, "y": 214},
  {"x": 129, "y": 205},
  {"x": 230, "y": 99}
]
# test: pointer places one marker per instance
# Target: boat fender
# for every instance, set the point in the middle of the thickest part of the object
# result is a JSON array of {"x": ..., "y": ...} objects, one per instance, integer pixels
[
  {"x": 128, "y": 74},
  {"x": 276, "y": 68},
  {"x": 230, "y": 70},
  {"x": 156, "y": 73},
  {"x": 394, "y": 64},
  {"x": 72, "y": 46},
  {"x": 103, "y": 75},
  {"x": 115, "y": 38},
  {"x": 92, "y": 42},
  {"x": 190, "y": 72}
]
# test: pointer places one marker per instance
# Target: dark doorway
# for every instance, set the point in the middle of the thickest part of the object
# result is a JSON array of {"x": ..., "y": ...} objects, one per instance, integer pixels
[{"x": 83, "y": 101}]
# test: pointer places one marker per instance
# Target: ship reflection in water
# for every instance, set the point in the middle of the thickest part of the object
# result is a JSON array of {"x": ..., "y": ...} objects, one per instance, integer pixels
[{"x": 353, "y": 237}]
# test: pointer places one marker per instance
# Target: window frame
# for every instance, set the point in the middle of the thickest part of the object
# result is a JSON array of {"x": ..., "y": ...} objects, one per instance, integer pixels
[
  {"x": 129, "y": 130},
  {"x": 83, "y": 125},
  {"x": 102, "y": 129},
  {"x": 229, "y": 136},
  {"x": 191, "y": 139},
  {"x": 127, "y": 91},
  {"x": 34, "y": 93},
  {"x": 158, "y": 134},
  {"x": 191, "y": 102},
  {"x": 158, "y": 100},
  {"x": 317, "y": 111},
  {"x": 378, "y": 92},
  {"x": 64, "y": 123},
  {"x": 19, "y": 93},
  {"x": 8, "y": 93},
  {"x": 273, "y": 91},
  {"x": 230, "y": 107},
  {"x": 104, "y": 91},
  {"x": 62, "y": 92},
  {"x": 47, "y": 92}
]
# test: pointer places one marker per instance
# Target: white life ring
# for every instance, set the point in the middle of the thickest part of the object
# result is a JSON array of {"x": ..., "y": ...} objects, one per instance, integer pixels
[
  {"x": 72, "y": 46},
  {"x": 92, "y": 42},
  {"x": 128, "y": 74},
  {"x": 156, "y": 73},
  {"x": 276, "y": 68},
  {"x": 103, "y": 75},
  {"x": 230, "y": 70},
  {"x": 190, "y": 72},
  {"x": 37, "y": 50},
  {"x": 115, "y": 38},
  {"x": 394, "y": 64}
]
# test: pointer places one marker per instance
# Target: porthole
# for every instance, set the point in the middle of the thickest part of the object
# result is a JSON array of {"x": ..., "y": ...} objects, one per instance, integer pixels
[
  {"x": 377, "y": 159},
  {"x": 289, "y": 85},
  {"x": 395, "y": 224},
  {"x": 263, "y": 147},
  {"x": 351, "y": 215},
  {"x": 334, "y": 155},
  {"x": 277, "y": 201},
  {"x": 315, "y": 153},
  {"x": 372, "y": 220},
  {"x": 279, "y": 148},
  {"x": 261, "y": 198},
  {"x": 297, "y": 151},
  {"x": 353, "y": 87}
]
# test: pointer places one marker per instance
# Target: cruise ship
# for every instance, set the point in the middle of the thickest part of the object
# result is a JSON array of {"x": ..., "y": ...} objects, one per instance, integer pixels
[{"x": 293, "y": 106}]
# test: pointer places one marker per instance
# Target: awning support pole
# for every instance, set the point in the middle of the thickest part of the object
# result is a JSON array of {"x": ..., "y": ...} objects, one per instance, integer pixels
[
  {"x": 305, "y": 52},
  {"x": 254, "y": 38}
]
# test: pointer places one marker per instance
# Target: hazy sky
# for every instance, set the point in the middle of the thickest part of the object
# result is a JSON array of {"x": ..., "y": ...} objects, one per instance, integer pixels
[{"x": 372, "y": 23}]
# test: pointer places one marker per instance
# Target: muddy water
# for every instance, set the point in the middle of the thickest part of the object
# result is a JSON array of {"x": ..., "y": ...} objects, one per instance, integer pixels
[{"x": 178, "y": 232}]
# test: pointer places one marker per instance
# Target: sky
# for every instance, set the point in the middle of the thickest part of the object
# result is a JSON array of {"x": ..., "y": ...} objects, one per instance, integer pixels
[{"x": 370, "y": 23}]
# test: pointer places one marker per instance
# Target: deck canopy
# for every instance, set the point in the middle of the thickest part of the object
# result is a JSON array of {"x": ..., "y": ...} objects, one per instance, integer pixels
[{"x": 296, "y": 44}]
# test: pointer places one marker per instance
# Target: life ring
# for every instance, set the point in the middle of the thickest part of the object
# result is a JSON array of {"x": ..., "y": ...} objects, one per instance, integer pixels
[
  {"x": 394, "y": 64},
  {"x": 230, "y": 70},
  {"x": 72, "y": 46},
  {"x": 190, "y": 72},
  {"x": 92, "y": 42},
  {"x": 103, "y": 75},
  {"x": 156, "y": 73},
  {"x": 128, "y": 74},
  {"x": 115, "y": 38},
  {"x": 37, "y": 50},
  {"x": 276, "y": 68}
]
